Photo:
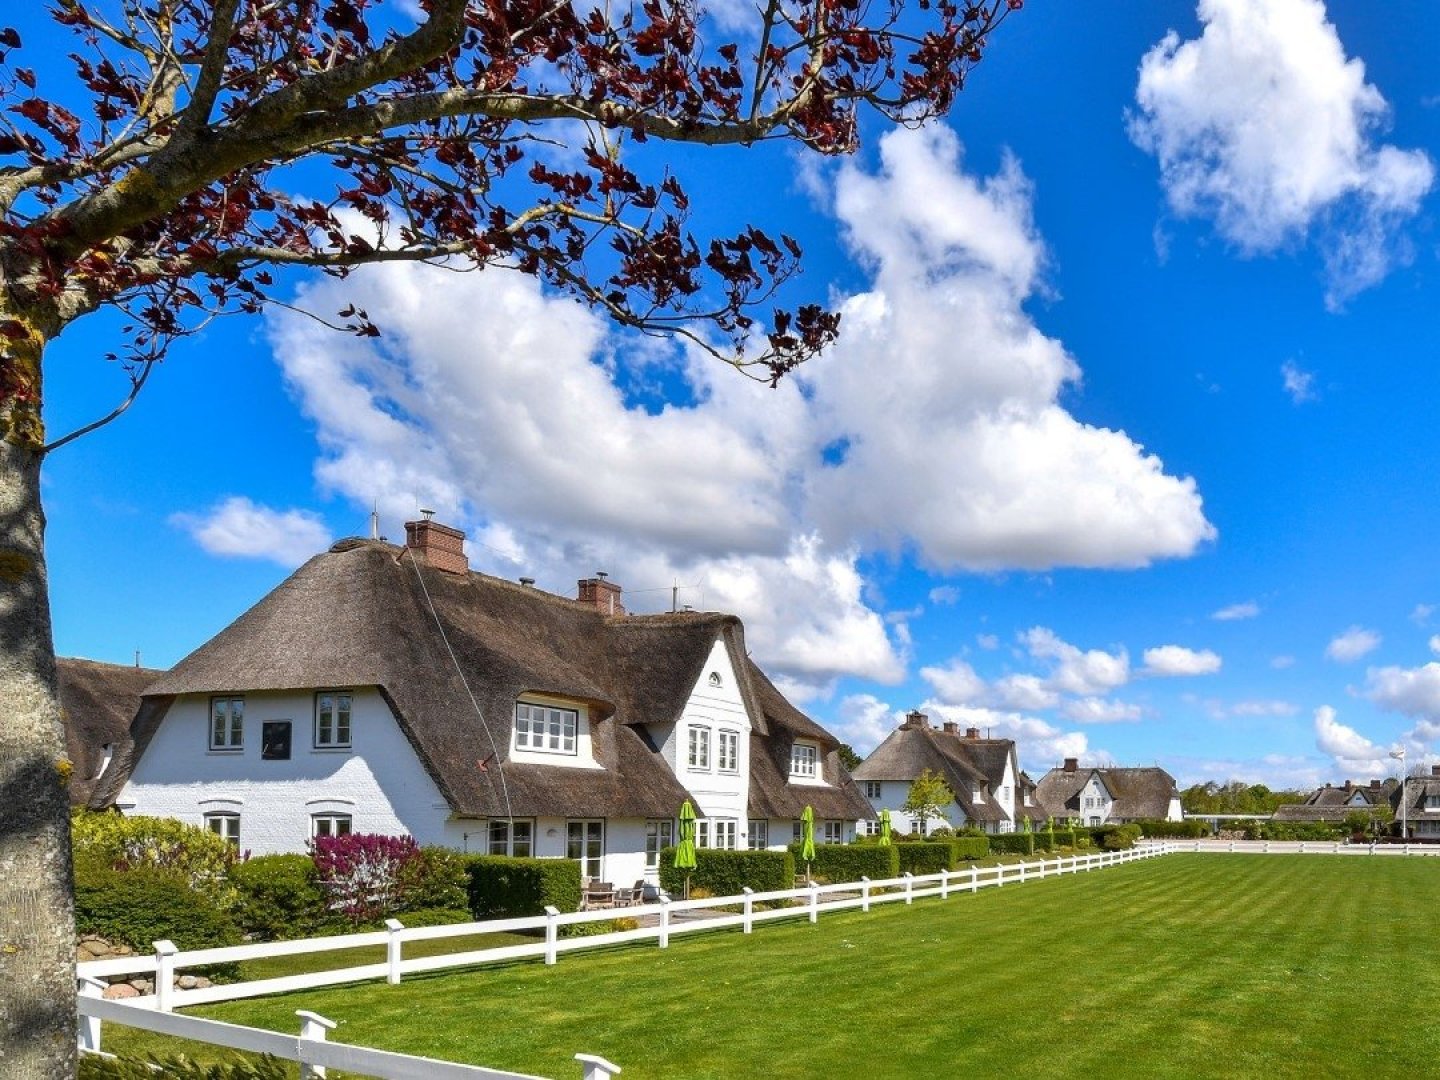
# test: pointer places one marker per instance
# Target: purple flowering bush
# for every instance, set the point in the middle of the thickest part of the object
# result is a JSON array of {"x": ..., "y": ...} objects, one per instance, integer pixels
[{"x": 363, "y": 874}]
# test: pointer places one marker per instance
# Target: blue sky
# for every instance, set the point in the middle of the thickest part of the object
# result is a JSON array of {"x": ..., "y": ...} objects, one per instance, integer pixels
[{"x": 1126, "y": 450}]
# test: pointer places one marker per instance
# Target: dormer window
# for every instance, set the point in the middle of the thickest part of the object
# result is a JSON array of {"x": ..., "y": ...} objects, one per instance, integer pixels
[
  {"x": 804, "y": 761},
  {"x": 227, "y": 723},
  {"x": 977, "y": 794},
  {"x": 545, "y": 728}
]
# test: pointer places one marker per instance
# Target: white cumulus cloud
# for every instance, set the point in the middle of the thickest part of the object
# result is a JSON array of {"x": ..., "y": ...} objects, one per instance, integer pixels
[
  {"x": 241, "y": 528},
  {"x": 863, "y": 721},
  {"x": 1353, "y": 754},
  {"x": 1083, "y": 673},
  {"x": 1299, "y": 384},
  {"x": 1167, "y": 661},
  {"x": 1265, "y": 126},
  {"x": 515, "y": 414},
  {"x": 1094, "y": 710},
  {"x": 1350, "y": 645},
  {"x": 1247, "y": 610}
]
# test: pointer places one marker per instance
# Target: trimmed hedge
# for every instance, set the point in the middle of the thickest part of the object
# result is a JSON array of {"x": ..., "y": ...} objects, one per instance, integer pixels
[
  {"x": 850, "y": 862},
  {"x": 501, "y": 886},
  {"x": 281, "y": 897},
  {"x": 122, "y": 842},
  {"x": 436, "y": 879},
  {"x": 142, "y": 906},
  {"x": 1015, "y": 843},
  {"x": 926, "y": 857},
  {"x": 726, "y": 873},
  {"x": 1172, "y": 829},
  {"x": 970, "y": 848}
]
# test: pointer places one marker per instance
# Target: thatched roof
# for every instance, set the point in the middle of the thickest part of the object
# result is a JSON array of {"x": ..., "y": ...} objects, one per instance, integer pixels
[
  {"x": 1140, "y": 794},
  {"x": 360, "y": 615},
  {"x": 1417, "y": 789},
  {"x": 965, "y": 763},
  {"x": 97, "y": 703}
]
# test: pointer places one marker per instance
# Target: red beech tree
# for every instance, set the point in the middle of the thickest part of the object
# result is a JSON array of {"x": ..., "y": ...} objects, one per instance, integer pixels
[{"x": 157, "y": 176}]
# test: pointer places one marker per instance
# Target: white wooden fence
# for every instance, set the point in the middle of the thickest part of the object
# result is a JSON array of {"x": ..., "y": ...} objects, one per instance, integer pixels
[
  {"x": 1298, "y": 847},
  {"x": 662, "y": 921}
]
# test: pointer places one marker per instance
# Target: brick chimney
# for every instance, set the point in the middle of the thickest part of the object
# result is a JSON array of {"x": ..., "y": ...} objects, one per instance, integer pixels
[
  {"x": 972, "y": 733},
  {"x": 441, "y": 546},
  {"x": 915, "y": 719},
  {"x": 1435, "y": 770},
  {"x": 1374, "y": 785},
  {"x": 1348, "y": 785},
  {"x": 950, "y": 727},
  {"x": 601, "y": 593},
  {"x": 1072, "y": 764}
]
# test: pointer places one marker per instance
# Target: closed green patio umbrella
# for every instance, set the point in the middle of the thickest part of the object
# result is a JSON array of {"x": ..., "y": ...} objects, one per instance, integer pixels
[
  {"x": 807, "y": 838},
  {"x": 884, "y": 828},
  {"x": 685, "y": 850}
]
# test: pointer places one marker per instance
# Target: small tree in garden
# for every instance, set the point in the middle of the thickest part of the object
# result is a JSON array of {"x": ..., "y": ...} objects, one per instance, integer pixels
[
  {"x": 928, "y": 797},
  {"x": 362, "y": 873}
]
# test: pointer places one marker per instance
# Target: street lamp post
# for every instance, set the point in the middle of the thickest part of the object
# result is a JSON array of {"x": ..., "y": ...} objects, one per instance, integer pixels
[{"x": 1400, "y": 754}]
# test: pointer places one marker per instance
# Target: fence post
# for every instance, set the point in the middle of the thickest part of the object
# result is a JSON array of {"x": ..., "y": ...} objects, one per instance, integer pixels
[
  {"x": 864, "y": 892},
  {"x": 944, "y": 884},
  {"x": 749, "y": 907},
  {"x": 1232, "y": 847},
  {"x": 552, "y": 931},
  {"x": 909, "y": 887},
  {"x": 1023, "y": 864},
  {"x": 1302, "y": 847},
  {"x": 165, "y": 975},
  {"x": 89, "y": 1037},
  {"x": 814, "y": 901},
  {"x": 392, "y": 951},
  {"x": 1267, "y": 847},
  {"x": 664, "y": 921},
  {"x": 313, "y": 1027},
  {"x": 974, "y": 878},
  {"x": 596, "y": 1068}
]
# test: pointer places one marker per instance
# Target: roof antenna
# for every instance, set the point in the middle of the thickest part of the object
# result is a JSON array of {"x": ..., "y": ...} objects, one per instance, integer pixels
[
  {"x": 137, "y": 658},
  {"x": 375, "y": 521}
]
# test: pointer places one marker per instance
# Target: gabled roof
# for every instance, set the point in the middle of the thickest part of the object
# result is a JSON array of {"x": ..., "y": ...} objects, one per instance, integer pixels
[
  {"x": 97, "y": 703},
  {"x": 965, "y": 763},
  {"x": 1137, "y": 794},
  {"x": 1417, "y": 788},
  {"x": 361, "y": 615},
  {"x": 1345, "y": 796}
]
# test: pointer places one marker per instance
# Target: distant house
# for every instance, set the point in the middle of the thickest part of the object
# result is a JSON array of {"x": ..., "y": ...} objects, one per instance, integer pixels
[
  {"x": 1333, "y": 804},
  {"x": 392, "y": 690},
  {"x": 1105, "y": 796},
  {"x": 983, "y": 773},
  {"x": 97, "y": 703},
  {"x": 1422, "y": 804}
]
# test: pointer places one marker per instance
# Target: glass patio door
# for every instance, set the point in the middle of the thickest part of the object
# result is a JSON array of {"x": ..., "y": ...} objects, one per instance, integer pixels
[{"x": 585, "y": 843}]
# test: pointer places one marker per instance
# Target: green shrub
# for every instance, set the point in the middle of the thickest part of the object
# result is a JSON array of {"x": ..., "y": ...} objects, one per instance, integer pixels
[
  {"x": 926, "y": 857},
  {"x": 1041, "y": 840},
  {"x": 850, "y": 862},
  {"x": 436, "y": 878},
  {"x": 1174, "y": 829},
  {"x": 435, "y": 916},
  {"x": 142, "y": 906},
  {"x": 726, "y": 873},
  {"x": 264, "y": 1067},
  {"x": 505, "y": 887},
  {"x": 1120, "y": 838},
  {"x": 281, "y": 897},
  {"x": 1017, "y": 843},
  {"x": 970, "y": 847},
  {"x": 198, "y": 855}
]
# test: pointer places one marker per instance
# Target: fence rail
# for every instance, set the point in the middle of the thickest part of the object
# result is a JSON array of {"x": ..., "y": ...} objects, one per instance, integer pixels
[{"x": 1299, "y": 847}]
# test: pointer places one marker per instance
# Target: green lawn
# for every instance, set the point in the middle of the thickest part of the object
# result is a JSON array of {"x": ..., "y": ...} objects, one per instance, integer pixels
[{"x": 1187, "y": 966}]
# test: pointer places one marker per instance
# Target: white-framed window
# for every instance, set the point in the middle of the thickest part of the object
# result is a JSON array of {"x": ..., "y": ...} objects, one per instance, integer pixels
[
  {"x": 1432, "y": 802},
  {"x": 719, "y": 833},
  {"x": 833, "y": 832},
  {"x": 727, "y": 752},
  {"x": 698, "y": 753},
  {"x": 227, "y": 723},
  {"x": 872, "y": 789},
  {"x": 658, "y": 835},
  {"x": 869, "y": 828},
  {"x": 510, "y": 838},
  {"x": 797, "y": 829},
  {"x": 329, "y": 824},
  {"x": 1029, "y": 797},
  {"x": 977, "y": 795},
  {"x": 757, "y": 836},
  {"x": 224, "y": 824},
  {"x": 1004, "y": 796},
  {"x": 332, "y": 720},
  {"x": 546, "y": 728},
  {"x": 585, "y": 843},
  {"x": 804, "y": 760}
]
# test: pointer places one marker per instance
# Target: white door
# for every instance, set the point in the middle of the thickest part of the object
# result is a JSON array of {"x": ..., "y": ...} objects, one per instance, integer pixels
[{"x": 585, "y": 843}]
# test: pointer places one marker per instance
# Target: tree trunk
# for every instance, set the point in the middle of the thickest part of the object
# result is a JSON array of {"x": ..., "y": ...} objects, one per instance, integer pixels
[{"x": 37, "y": 925}]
